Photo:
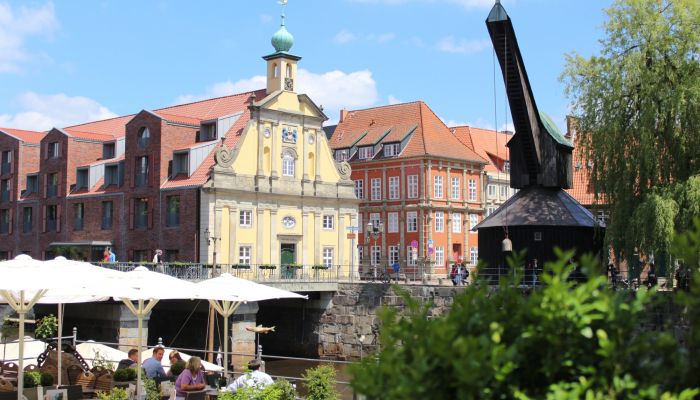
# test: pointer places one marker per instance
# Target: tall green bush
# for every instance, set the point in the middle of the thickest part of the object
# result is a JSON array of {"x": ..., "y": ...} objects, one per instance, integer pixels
[
  {"x": 280, "y": 390},
  {"x": 46, "y": 327},
  {"x": 565, "y": 341},
  {"x": 320, "y": 383}
]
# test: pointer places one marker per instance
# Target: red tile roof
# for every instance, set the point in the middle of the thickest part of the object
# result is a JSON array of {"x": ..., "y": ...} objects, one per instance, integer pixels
[
  {"x": 25, "y": 136},
  {"x": 489, "y": 144},
  {"x": 582, "y": 188},
  {"x": 115, "y": 127},
  {"x": 431, "y": 136},
  {"x": 89, "y": 135},
  {"x": 213, "y": 108},
  {"x": 180, "y": 119}
]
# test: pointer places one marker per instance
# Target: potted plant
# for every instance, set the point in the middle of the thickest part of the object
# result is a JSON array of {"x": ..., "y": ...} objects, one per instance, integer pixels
[
  {"x": 267, "y": 266},
  {"x": 32, "y": 386},
  {"x": 115, "y": 394},
  {"x": 240, "y": 266},
  {"x": 46, "y": 327},
  {"x": 125, "y": 376},
  {"x": 176, "y": 369}
]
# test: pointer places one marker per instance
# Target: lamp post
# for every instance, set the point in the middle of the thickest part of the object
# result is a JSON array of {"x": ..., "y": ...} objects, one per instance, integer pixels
[
  {"x": 211, "y": 239},
  {"x": 374, "y": 230}
]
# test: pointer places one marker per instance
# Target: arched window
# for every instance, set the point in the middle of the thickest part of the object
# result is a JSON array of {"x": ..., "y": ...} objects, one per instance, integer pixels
[
  {"x": 275, "y": 70},
  {"x": 287, "y": 165},
  {"x": 289, "y": 71}
]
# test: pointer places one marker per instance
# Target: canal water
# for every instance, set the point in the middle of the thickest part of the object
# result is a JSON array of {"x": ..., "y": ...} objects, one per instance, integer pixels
[{"x": 293, "y": 369}]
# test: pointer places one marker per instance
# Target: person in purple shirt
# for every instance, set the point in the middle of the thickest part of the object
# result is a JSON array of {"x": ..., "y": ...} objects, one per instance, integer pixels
[{"x": 191, "y": 378}]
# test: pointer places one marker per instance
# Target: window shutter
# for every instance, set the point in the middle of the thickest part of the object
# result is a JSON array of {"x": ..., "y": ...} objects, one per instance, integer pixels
[
  {"x": 58, "y": 218},
  {"x": 131, "y": 213}
]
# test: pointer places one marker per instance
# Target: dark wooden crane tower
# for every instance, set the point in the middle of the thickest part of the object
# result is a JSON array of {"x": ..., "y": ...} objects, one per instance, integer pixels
[{"x": 541, "y": 215}]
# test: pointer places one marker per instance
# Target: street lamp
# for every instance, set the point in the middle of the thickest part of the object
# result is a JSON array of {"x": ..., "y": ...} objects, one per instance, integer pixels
[
  {"x": 211, "y": 239},
  {"x": 374, "y": 230}
]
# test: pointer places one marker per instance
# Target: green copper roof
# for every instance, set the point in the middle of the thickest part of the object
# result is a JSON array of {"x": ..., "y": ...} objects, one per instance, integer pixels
[
  {"x": 553, "y": 130},
  {"x": 282, "y": 40}
]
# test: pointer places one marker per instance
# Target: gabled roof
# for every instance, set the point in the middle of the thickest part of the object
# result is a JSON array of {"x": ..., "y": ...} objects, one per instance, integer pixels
[
  {"x": 431, "y": 136},
  {"x": 115, "y": 127},
  {"x": 488, "y": 144},
  {"x": 32, "y": 137},
  {"x": 72, "y": 132},
  {"x": 582, "y": 186},
  {"x": 212, "y": 108}
]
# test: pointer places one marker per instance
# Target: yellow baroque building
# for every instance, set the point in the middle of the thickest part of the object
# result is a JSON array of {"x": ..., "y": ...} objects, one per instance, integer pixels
[{"x": 276, "y": 195}]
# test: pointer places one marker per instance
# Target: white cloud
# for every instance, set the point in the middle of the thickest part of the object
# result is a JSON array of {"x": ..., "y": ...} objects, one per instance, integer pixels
[
  {"x": 449, "y": 44},
  {"x": 344, "y": 36},
  {"x": 384, "y": 37},
  {"x": 265, "y": 18},
  {"x": 507, "y": 127},
  {"x": 333, "y": 90},
  {"x": 393, "y": 100},
  {"x": 42, "y": 112},
  {"x": 16, "y": 26},
  {"x": 452, "y": 123}
]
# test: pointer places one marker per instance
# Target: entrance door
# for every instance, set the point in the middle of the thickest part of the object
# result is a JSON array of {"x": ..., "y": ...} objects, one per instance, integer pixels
[
  {"x": 288, "y": 260},
  {"x": 456, "y": 251}
]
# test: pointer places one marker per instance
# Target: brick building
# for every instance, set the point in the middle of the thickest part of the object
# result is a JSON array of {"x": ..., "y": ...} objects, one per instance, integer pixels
[{"x": 418, "y": 179}]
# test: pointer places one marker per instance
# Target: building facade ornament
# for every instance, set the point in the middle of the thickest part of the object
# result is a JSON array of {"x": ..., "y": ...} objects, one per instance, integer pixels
[{"x": 224, "y": 157}]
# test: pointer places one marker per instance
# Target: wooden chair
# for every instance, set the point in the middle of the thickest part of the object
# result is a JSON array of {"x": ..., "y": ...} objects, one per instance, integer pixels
[
  {"x": 97, "y": 370},
  {"x": 6, "y": 386},
  {"x": 196, "y": 395},
  {"x": 31, "y": 368},
  {"x": 87, "y": 381},
  {"x": 105, "y": 381},
  {"x": 73, "y": 372},
  {"x": 53, "y": 371},
  {"x": 75, "y": 392},
  {"x": 10, "y": 369}
]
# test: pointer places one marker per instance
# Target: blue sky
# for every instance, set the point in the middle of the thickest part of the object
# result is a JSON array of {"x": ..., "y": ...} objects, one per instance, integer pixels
[{"x": 66, "y": 62}]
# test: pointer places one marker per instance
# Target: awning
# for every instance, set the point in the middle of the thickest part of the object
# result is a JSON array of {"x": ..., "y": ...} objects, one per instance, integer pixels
[{"x": 82, "y": 243}]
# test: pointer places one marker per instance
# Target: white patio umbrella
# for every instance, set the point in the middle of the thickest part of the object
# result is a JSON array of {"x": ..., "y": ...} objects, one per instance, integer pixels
[
  {"x": 26, "y": 282},
  {"x": 90, "y": 349},
  {"x": 141, "y": 289},
  {"x": 32, "y": 349},
  {"x": 226, "y": 293}
]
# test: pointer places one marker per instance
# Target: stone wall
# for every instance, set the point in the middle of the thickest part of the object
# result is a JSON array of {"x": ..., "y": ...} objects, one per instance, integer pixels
[{"x": 349, "y": 326}]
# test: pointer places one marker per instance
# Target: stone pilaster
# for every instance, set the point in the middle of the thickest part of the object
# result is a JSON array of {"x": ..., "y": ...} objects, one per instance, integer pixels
[
  {"x": 259, "y": 226},
  {"x": 232, "y": 227}
]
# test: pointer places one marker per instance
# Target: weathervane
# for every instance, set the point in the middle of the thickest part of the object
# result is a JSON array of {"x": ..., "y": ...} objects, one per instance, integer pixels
[{"x": 283, "y": 3}]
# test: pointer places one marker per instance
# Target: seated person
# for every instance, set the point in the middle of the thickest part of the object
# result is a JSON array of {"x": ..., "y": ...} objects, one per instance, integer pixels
[
  {"x": 153, "y": 367},
  {"x": 254, "y": 378},
  {"x": 175, "y": 358},
  {"x": 191, "y": 378},
  {"x": 131, "y": 361}
]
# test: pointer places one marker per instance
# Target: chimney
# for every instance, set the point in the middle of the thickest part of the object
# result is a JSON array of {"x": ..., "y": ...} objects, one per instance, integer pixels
[{"x": 343, "y": 114}]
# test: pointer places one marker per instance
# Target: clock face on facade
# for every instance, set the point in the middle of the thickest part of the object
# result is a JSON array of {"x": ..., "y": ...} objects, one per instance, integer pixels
[
  {"x": 267, "y": 132},
  {"x": 289, "y": 222}
]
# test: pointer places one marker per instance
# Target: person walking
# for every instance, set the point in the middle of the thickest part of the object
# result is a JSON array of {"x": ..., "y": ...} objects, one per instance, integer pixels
[
  {"x": 254, "y": 378},
  {"x": 112, "y": 256},
  {"x": 158, "y": 260}
]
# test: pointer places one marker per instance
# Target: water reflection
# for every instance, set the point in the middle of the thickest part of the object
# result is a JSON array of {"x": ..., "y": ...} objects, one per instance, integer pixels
[{"x": 292, "y": 370}]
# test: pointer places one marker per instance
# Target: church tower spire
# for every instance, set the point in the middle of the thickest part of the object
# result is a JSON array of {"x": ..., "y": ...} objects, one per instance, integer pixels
[{"x": 281, "y": 65}]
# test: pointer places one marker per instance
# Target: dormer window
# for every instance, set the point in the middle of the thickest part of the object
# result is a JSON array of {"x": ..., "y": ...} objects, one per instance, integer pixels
[
  {"x": 365, "y": 153},
  {"x": 32, "y": 184},
  {"x": 144, "y": 138},
  {"x": 112, "y": 175},
  {"x": 108, "y": 150},
  {"x": 181, "y": 163},
  {"x": 392, "y": 149},
  {"x": 81, "y": 179},
  {"x": 342, "y": 155},
  {"x": 53, "y": 150},
  {"x": 208, "y": 132}
]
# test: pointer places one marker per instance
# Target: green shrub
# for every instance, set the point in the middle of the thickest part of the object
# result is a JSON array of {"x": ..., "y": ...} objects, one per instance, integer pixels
[
  {"x": 280, "y": 390},
  {"x": 32, "y": 379},
  {"x": 46, "y": 379},
  {"x": 564, "y": 341},
  {"x": 125, "y": 375},
  {"x": 152, "y": 392},
  {"x": 320, "y": 383},
  {"x": 115, "y": 394},
  {"x": 46, "y": 327}
]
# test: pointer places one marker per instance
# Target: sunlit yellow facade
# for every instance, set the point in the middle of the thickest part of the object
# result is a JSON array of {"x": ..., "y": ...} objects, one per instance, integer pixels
[{"x": 278, "y": 196}]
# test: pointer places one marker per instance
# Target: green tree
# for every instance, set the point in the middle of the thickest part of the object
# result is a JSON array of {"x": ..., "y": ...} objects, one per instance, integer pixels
[
  {"x": 637, "y": 106},
  {"x": 566, "y": 341}
]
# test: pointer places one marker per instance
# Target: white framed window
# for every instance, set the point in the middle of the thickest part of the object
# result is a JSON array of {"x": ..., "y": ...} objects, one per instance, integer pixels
[
  {"x": 456, "y": 223},
  {"x": 412, "y": 221},
  {"x": 287, "y": 165},
  {"x": 376, "y": 255},
  {"x": 393, "y": 222},
  {"x": 506, "y": 166},
  {"x": 244, "y": 254},
  {"x": 359, "y": 223},
  {"x": 393, "y": 188},
  {"x": 439, "y": 256},
  {"x": 374, "y": 219},
  {"x": 412, "y": 187},
  {"x": 437, "y": 186},
  {"x": 504, "y": 192},
  {"x": 393, "y": 255},
  {"x": 365, "y": 153},
  {"x": 376, "y": 189},
  {"x": 342, "y": 155},
  {"x": 490, "y": 210},
  {"x": 491, "y": 191},
  {"x": 246, "y": 218},
  {"x": 327, "y": 256},
  {"x": 455, "y": 188},
  {"x": 473, "y": 221},
  {"x": 474, "y": 255},
  {"x": 328, "y": 222},
  {"x": 439, "y": 221},
  {"x": 392, "y": 149},
  {"x": 410, "y": 261},
  {"x": 472, "y": 190},
  {"x": 360, "y": 188}
]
